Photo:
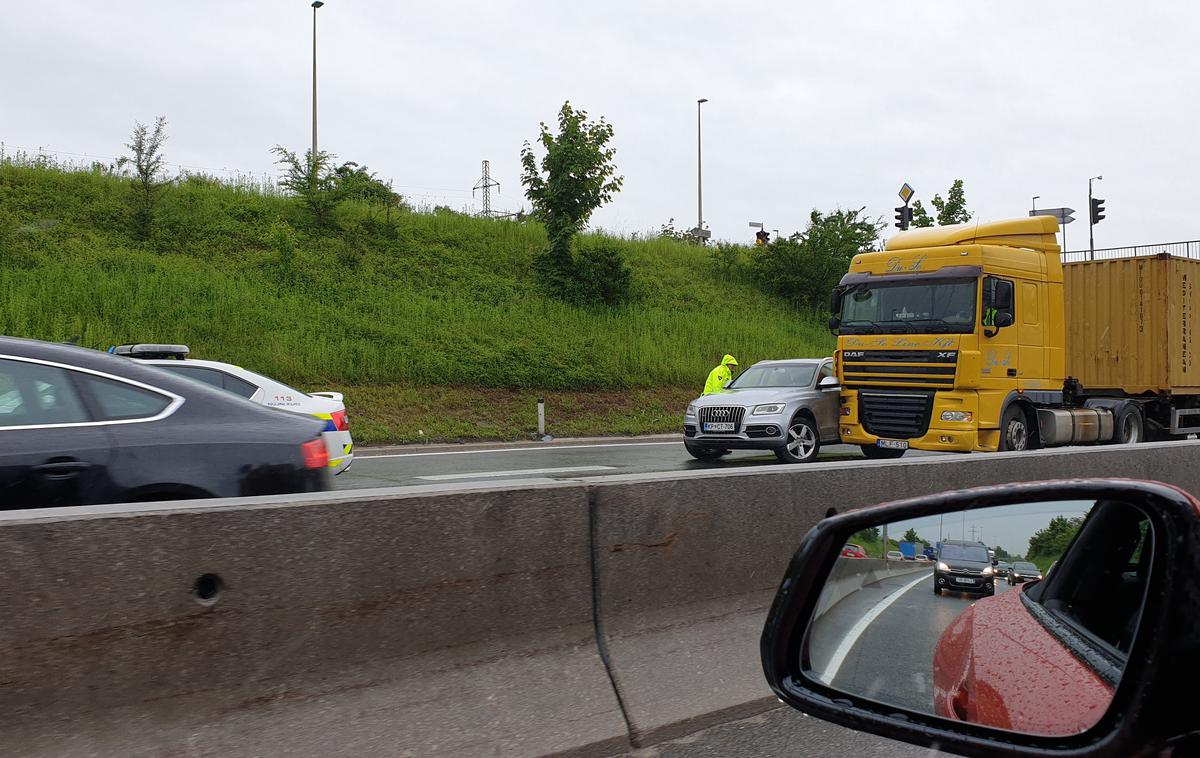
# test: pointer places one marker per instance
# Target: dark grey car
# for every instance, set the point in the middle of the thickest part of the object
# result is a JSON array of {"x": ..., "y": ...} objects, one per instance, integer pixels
[{"x": 789, "y": 407}]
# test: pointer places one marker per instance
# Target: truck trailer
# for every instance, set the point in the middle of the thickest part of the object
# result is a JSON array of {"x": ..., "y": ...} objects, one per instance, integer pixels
[{"x": 977, "y": 337}]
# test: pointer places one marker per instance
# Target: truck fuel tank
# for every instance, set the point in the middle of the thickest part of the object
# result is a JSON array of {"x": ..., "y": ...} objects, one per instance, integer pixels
[{"x": 1066, "y": 427}]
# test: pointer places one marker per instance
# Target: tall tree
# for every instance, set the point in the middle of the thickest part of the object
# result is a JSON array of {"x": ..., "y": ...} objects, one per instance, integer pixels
[
  {"x": 1052, "y": 540},
  {"x": 951, "y": 210},
  {"x": 312, "y": 180},
  {"x": 921, "y": 216},
  {"x": 575, "y": 176},
  {"x": 912, "y": 536},
  {"x": 148, "y": 180},
  {"x": 804, "y": 267}
]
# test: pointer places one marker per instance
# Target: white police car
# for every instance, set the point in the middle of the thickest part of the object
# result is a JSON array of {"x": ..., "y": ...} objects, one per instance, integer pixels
[{"x": 327, "y": 406}]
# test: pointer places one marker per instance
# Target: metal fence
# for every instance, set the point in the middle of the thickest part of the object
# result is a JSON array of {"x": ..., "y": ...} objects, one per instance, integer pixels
[{"x": 1189, "y": 249}]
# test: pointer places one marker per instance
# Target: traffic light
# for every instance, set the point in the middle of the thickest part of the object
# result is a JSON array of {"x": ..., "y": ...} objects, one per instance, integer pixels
[
  {"x": 904, "y": 217},
  {"x": 761, "y": 237},
  {"x": 1097, "y": 209}
]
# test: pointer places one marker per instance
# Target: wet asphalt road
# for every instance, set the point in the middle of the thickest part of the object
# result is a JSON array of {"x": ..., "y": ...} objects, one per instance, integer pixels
[
  {"x": 550, "y": 461},
  {"x": 892, "y": 659}
]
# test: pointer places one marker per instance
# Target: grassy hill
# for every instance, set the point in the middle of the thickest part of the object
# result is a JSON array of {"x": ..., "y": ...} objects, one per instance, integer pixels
[{"x": 431, "y": 323}]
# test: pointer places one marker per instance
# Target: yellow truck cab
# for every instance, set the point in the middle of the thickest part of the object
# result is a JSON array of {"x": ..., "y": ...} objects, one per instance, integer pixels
[{"x": 976, "y": 337}]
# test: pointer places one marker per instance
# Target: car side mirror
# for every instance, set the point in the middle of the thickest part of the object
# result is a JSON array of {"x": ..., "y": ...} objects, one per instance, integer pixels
[
  {"x": 829, "y": 383},
  {"x": 995, "y": 563},
  {"x": 941, "y": 654}
]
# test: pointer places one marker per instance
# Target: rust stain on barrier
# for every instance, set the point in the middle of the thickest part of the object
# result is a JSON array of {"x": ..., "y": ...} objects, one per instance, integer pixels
[{"x": 668, "y": 542}]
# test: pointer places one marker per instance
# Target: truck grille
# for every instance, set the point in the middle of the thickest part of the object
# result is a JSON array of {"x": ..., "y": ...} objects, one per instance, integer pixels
[
  {"x": 896, "y": 415},
  {"x": 718, "y": 413},
  {"x": 899, "y": 368}
]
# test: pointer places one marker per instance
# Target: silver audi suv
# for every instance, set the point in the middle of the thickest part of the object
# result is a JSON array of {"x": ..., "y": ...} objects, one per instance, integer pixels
[{"x": 789, "y": 407}]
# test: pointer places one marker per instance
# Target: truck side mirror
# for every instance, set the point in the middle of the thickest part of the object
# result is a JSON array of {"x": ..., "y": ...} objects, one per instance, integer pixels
[
  {"x": 1003, "y": 320},
  {"x": 834, "y": 323}
]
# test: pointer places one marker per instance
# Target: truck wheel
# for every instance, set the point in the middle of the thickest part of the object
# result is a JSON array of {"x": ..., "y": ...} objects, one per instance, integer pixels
[
  {"x": 1014, "y": 430},
  {"x": 876, "y": 453},
  {"x": 1129, "y": 428},
  {"x": 803, "y": 442},
  {"x": 704, "y": 453}
]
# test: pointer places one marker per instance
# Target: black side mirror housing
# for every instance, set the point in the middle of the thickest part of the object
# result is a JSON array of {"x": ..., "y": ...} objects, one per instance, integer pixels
[
  {"x": 1148, "y": 688},
  {"x": 1003, "y": 320}
]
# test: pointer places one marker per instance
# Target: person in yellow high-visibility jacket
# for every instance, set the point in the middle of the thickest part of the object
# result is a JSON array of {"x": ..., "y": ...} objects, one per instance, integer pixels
[{"x": 719, "y": 375}]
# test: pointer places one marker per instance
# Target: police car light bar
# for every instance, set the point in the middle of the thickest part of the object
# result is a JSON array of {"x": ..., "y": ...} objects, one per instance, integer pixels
[{"x": 150, "y": 351}]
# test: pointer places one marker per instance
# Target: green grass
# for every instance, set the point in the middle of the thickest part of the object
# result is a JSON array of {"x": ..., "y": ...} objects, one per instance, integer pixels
[{"x": 427, "y": 300}]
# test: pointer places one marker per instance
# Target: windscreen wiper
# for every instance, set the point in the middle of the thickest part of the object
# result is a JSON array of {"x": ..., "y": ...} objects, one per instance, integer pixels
[
  {"x": 888, "y": 327},
  {"x": 935, "y": 322}
]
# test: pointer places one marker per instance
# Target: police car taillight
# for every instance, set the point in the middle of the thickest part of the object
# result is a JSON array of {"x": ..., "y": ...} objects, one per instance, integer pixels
[
  {"x": 341, "y": 421},
  {"x": 314, "y": 453}
]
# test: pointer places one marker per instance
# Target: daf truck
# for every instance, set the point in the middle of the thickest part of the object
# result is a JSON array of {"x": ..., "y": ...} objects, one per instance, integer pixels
[{"x": 977, "y": 337}]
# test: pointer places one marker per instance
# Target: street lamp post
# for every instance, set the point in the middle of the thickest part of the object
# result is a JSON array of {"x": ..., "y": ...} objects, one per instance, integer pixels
[
  {"x": 699, "y": 175},
  {"x": 1091, "y": 221},
  {"x": 316, "y": 4},
  {"x": 1035, "y": 199}
]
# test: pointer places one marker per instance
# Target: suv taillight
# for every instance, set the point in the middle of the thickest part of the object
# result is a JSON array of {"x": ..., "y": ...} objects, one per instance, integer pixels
[
  {"x": 314, "y": 453},
  {"x": 341, "y": 421}
]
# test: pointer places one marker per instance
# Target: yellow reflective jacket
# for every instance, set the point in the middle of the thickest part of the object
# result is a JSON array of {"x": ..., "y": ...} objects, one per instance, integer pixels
[{"x": 719, "y": 375}]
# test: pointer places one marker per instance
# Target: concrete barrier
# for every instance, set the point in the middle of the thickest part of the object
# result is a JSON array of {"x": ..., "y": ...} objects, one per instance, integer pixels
[
  {"x": 567, "y": 619},
  {"x": 455, "y": 624},
  {"x": 849, "y": 575},
  {"x": 686, "y": 567}
]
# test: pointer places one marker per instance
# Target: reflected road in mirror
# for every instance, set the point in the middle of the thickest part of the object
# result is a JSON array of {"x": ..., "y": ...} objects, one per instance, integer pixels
[
  {"x": 1028, "y": 632},
  {"x": 892, "y": 626}
]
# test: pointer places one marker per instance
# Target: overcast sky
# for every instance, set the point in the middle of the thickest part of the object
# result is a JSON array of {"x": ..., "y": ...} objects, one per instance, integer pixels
[
  {"x": 1009, "y": 526},
  {"x": 811, "y": 105}
]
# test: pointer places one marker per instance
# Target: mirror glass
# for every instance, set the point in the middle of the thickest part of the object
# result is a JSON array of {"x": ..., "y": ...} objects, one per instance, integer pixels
[{"x": 1018, "y": 617}]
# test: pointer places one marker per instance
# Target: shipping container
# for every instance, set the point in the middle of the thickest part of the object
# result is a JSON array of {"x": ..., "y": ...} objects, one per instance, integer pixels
[{"x": 1131, "y": 325}]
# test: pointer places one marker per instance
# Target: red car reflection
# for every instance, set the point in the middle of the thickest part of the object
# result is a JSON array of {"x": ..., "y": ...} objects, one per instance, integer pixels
[
  {"x": 853, "y": 551},
  {"x": 996, "y": 649}
]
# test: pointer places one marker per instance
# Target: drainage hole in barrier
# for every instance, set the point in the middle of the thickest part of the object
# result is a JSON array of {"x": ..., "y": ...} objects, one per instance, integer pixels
[{"x": 207, "y": 588}]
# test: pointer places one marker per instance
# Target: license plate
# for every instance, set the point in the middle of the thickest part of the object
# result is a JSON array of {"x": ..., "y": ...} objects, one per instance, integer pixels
[
  {"x": 720, "y": 426},
  {"x": 964, "y": 581},
  {"x": 893, "y": 444}
]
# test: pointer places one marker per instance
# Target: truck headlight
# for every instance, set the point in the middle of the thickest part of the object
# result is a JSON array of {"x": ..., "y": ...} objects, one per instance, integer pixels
[
  {"x": 691, "y": 411},
  {"x": 956, "y": 416},
  {"x": 769, "y": 409}
]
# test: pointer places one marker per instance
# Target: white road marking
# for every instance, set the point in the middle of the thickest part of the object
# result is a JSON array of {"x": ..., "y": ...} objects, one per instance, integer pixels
[
  {"x": 518, "y": 472},
  {"x": 363, "y": 457},
  {"x": 856, "y": 631}
]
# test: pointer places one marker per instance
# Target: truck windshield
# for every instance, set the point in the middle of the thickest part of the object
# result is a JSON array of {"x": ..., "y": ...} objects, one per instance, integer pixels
[{"x": 937, "y": 306}]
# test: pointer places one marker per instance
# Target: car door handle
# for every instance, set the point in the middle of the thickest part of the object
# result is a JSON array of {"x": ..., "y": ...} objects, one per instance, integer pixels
[{"x": 59, "y": 470}]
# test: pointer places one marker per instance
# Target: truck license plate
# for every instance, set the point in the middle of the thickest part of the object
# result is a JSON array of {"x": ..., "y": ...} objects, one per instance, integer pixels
[
  {"x": 720, "y": 426},
  {"x": 893, "y": 444}
]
